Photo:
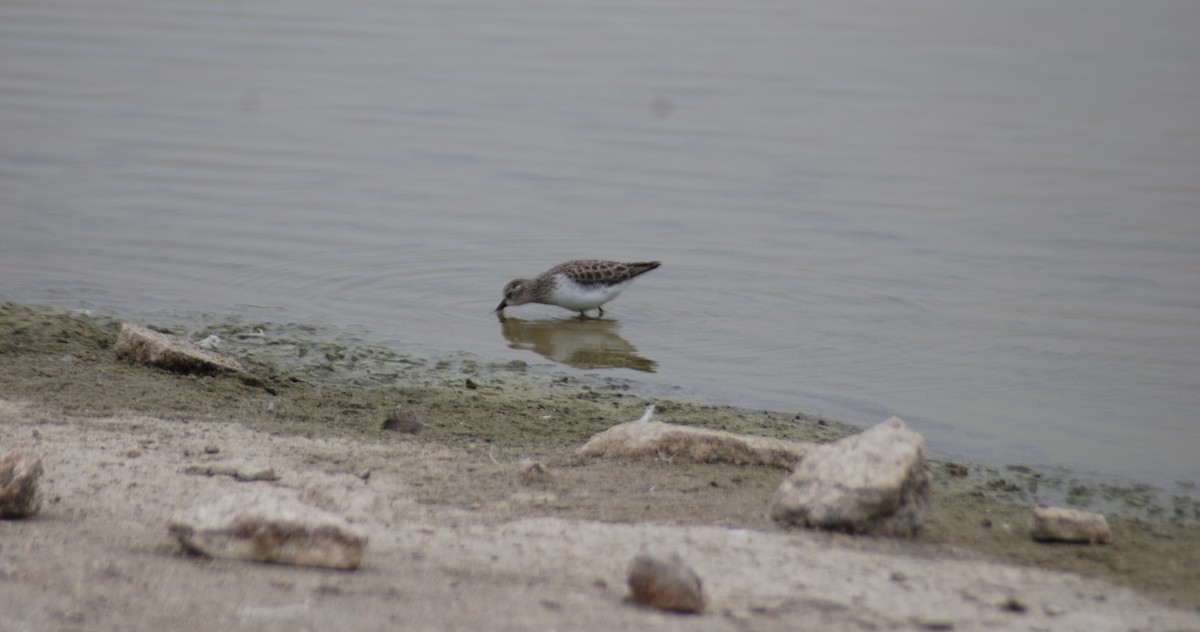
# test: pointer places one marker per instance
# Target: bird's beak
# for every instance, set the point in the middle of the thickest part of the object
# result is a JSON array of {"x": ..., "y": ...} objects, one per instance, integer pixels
[{"x": 502, "y": 305}]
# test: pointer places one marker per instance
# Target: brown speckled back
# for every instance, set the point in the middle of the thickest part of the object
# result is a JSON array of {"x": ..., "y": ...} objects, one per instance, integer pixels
[{"x": 599, "y": 272}]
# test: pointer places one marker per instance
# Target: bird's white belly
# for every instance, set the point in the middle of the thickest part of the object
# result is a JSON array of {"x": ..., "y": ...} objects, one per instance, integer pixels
[{"x": 578, "y": 297}]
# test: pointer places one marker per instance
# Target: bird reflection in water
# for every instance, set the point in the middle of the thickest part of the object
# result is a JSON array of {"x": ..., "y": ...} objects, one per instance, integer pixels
[{"x": 584, "y": 343}]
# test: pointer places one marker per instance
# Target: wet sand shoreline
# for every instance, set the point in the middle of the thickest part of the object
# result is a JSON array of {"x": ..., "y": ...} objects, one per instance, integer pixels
[{"x": 57, "y": 373}]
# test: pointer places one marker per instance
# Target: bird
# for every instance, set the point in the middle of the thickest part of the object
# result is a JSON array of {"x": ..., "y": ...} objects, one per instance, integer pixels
[{"x": 577, "y": 285}]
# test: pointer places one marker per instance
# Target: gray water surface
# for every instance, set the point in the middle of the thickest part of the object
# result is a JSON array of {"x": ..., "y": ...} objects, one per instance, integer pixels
[{"x": 981, "y": 216}]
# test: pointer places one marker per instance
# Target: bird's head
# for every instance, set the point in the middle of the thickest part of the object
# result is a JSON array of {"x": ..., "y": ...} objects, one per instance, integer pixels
[{"x": 516, "y": 292}]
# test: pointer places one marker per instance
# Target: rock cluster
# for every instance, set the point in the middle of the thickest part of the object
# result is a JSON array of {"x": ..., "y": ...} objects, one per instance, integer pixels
[
  {"x": 19, "y": 494},
  {"x": 874, "y": 482}
]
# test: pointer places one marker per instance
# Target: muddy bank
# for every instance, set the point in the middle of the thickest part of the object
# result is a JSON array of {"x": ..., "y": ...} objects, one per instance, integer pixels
[{"x": 494, "y": 416}]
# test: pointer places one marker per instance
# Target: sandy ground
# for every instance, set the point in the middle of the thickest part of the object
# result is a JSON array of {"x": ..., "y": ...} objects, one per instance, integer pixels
[{"x": 458, "y": 542}]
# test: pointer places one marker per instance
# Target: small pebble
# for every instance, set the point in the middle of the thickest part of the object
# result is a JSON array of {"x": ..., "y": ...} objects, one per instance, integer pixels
[
  {"x": 211, "y": 449},
  {"x": 404, "y": 421},
  {"x": 534, "y": 473},
  {"x": 20, "y": 495},
  {"x": 247, "y": 475},
  {"x": 659, "y": 577},
  {"x": 1012, "y": 604}
]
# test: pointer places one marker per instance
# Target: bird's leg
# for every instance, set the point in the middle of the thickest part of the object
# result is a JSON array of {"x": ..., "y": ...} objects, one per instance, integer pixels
[{"x": 599, "y": 311}]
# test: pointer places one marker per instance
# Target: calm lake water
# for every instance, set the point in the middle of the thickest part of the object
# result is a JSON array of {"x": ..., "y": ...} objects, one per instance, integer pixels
[{"x": 981, "y": 216}]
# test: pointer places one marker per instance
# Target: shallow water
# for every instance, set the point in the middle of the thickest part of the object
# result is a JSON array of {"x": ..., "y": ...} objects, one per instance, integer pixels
[{"x": 982, "y": 217}]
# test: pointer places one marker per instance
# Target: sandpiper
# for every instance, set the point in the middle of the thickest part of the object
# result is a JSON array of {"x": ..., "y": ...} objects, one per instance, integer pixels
[{"x": 577, "y": 285}]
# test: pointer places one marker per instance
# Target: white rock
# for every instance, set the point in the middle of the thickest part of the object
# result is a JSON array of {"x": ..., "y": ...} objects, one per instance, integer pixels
[
  {"x": 653, "y": 439},
  {"x": 269, "y": 526},
  {"x": 873, "y": 482},
  {"x": 171, "y": 353},
  {"x": 212, "y": 343},
  {"x": 1060, "y": 524},
  {"x": 244, "y": 472}
]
